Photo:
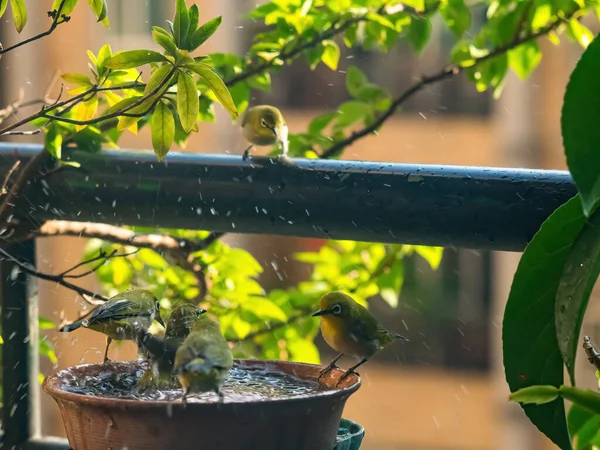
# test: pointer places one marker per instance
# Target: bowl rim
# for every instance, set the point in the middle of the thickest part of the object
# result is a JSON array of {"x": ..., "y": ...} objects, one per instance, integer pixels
[{"x": 52, "y": 387}]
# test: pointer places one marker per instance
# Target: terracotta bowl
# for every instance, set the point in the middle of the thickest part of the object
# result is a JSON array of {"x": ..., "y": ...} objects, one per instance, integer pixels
[{"x": 309, "y": 422}]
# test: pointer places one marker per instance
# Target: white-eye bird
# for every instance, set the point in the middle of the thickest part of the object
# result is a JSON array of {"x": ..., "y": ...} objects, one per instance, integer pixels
[
  {"x": 203, "y": 361},
  {"x": 123, "y": 317},
  {"x": 349, "y": 328},
  {"x": 264, "y": 125}
]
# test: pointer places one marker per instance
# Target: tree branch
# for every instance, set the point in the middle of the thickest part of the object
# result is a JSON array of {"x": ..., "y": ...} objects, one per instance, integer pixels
[
  {"x": 591, "y": 352},
  {"x": 157, "y": 242},
  {"x": 55, "y": 22},
  {"x": 447, "y": 72},
  {"x": 61, "y": 278}
]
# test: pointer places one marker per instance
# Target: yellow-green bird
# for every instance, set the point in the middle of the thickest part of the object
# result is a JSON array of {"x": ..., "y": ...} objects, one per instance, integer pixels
[
  {"x": 123, "y": 317},
  {"x": 265, "y": 125},
  {"x": 203, "y": 361},
  {"x": 162, "y": 351},
  {"x": 349, "y": 328}
]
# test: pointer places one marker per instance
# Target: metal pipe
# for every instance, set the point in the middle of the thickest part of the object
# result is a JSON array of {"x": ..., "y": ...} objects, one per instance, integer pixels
[{"x": 473, "y": 207}]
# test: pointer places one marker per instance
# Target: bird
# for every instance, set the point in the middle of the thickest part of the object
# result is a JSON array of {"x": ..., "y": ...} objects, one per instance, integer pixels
[
  {"x": 349, "y": 328},
  {"x": 265, "y": 125},
  {"x": 203, "y": 361},
  {"x": 121, "y": 317},
  {"x": 162, "y": 351}
]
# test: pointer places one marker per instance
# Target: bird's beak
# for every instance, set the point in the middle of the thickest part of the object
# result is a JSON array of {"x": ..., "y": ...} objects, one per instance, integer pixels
[
  {"x": 159, "y": 319},
  {"x": 202, "y": 311},
  {"x": 321, "y": 312},
  {"x": 275, "y": 132}
]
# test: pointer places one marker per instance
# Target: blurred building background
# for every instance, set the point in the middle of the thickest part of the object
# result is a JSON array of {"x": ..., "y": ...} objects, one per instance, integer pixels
[{"x": 446, "y": 391}]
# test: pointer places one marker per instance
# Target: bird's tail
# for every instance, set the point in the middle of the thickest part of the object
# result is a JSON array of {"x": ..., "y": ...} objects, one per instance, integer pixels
[
  {"x": 197, "y": 365},
  {"x": 399, "y": 336},
  {"x": 71, "y": 326}
]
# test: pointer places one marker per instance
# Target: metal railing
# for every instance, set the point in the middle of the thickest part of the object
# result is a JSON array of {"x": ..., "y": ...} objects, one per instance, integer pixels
[{"x": 473, "y": 207}]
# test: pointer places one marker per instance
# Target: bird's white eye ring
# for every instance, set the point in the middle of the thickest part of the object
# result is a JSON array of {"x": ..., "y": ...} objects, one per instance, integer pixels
[
  {"x": 157, "y": 305},
  {"x": 337, "y": 310},
  {"x": 263, "y": 123}
]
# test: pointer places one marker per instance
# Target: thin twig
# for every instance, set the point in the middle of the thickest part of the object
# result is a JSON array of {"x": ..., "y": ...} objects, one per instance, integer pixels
[
  {"x": 4, "y": 191},
  {"x": 447, "y": 72},
  {"x": 55, "y": 23},
  {"x": 59, "y": 279},
  {"x": 102, "y": 255},
  {"x": 591, "y": 352}
]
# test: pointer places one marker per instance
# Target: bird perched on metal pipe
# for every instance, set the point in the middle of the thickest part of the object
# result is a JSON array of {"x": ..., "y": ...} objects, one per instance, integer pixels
[
  {"x": 265, "y": 125},
  {"x": 122, "y": 317},
  {"x": 203, "y": 361},
  {"x": 349, "y": 328},
  {"x": 162, "y": 351}
]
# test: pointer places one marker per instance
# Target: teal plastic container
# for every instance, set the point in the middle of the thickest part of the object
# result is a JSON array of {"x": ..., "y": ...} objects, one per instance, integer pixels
[{"x": 350, "y": 435}]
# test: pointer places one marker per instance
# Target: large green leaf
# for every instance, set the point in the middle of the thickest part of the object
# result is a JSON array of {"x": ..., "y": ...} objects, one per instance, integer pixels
[
  {"x": 162, "y": 125},
  {"x": 216, "y": 85},
  {"x": 133, "y": 58},
  {"x": 181, "y": 23},
  {"x": 579, "y": 121},
  {"x": 201, "y": 35},
  {"x": 578, "y": 278},
  {"x": 530, "y": 350},
  {"x": 188, "y": 103}
]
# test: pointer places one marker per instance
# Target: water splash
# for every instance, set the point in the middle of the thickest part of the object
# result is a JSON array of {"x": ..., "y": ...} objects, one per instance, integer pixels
[{"x": 243, "y": 385}]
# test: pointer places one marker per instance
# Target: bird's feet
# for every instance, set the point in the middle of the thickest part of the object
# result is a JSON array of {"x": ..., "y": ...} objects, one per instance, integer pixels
[
  {"x": 346, "y": 375},
  {"x": 184, "y": 400},
  {"x": 245, "y": 155},
  {"x": 326, "y": 370}
]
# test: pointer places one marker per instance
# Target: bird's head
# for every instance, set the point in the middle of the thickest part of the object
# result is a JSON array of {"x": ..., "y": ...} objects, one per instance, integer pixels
[
  {"x": 157, "y": 316},
  {"x": 267, "y": 121},
  {"x": 336, "y": 304},
  {"x": 183, "y": 318}
]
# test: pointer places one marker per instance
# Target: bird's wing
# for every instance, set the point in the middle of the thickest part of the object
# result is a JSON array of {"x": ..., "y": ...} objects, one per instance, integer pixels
[
  {"x": 116, "y": 311},
  {"x": 364, "y": 325}
]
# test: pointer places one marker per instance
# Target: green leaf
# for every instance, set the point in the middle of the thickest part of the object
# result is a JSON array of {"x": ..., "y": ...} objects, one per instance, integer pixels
[
  {"x": 530, "y": 350},
  {"x": 19, "y": 12},
  {"x": 202, "y": 34},
  {"x": 355, "y": 80},
  {"x": 217, "y": 86},
  {"x": 100, "y": 9},
  {"x": 320, "y": 122},
  {"x": 78, "y": 79},
  {"x": 45, "y": 324},
  {"x": 181, "y": 23},
  {"x": 351, "y": 112},
  {"x": 194, "y": 13},
  {"x": 433, "y": 255},
  {"x": 331, "y": 54},
  {"x": 419, "y": 32},
  {"x": 524, "y": 58},
  {"x": 303, "y": 350},
  {"x": 585, "y": 398},
  {"x": 53, "y": 141},
  {"x": 578, "y": 278},
  {"x": 67, "y": 8},
  {"x": 164, "y": 40},
  {"x": 86, "y": 111},
  {"x": 390, "y": 283},
  {"x": 157, "y": 79},
  {"x": 187, "y": 101},
  {"x": 579, "y": 123},
  {"x": 537, "y": 395},
  {"x": 457, "y": 16},
  {"x": 583, "y": 424},
  {"x": 3, "y": 5},
  {"x": 419, "y": 5},
  {"x": 163, "y": 130},
  {"x": 130, "y": 59},
  {"x": 264, "y": 309},
  {"x": 580, "y": 33}
]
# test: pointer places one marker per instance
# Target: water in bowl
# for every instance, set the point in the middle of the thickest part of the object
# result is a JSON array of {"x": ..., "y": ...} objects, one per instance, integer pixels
[{"x": 243, "y": 385}]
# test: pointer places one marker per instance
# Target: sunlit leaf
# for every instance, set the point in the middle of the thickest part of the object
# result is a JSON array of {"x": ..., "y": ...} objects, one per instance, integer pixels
[
  {"x": 53, "y": 141},
  {"x": 3, "y": 5},
  {"x": 536, "y": 395},
  {"x": 164, "y": 40},
  {"x": 525, "y": 58},
  {"x": 133, "y": 58},
  {"x": 456, "y": 15},
  {"x": 86, "y": 111},
  {"x": 19, "y": 12},
  {"x": 433, "y": 255},
  {"x": 331, "y": 54},
  {"x": 68, "y": 6},
  {"x": 216, "y": 84},
  {"x": 77, "y": 79},
  {"x": 181, "y": 23},
  {"x": 202, "y": 34},
  {"x": 100, "y": 9}
]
